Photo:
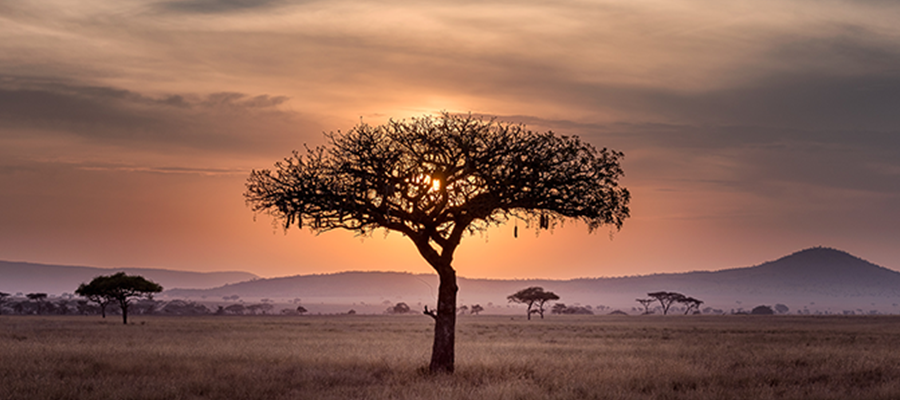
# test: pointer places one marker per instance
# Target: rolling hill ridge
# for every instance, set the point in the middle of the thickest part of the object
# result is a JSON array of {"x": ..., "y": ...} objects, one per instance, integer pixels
[
  {"x": 56, "y": 279},
  {"x": 823, "y": 276}
]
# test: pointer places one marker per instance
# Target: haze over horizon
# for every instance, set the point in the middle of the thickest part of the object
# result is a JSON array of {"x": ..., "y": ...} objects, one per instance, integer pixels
[{"x": 751, "y": 130}]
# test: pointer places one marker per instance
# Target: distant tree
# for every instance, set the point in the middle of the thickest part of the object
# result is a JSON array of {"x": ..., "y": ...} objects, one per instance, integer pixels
[
  {"x": 781, "y": 308},
  {"x": 146, "y": 306},
  {"x": 3, "y": 297},
  {"x": 666, "y": 299},
  {"x": 435, "y": 180},
  {"x": 261, "y": 308},
  {"x": 303, "y": 310},
  {"x": 584, "y": 310},
  {"x": 351, "y": 312},
  {"x": 534, "y": 297},
  {"x": 36, "y": 296},
  {"x": 462, "y": 309},
  {"x": 762, "y": 310},
  {"x": 236, "y": 309},
  {"x": 399, "y": 308},
  {"x": 184, "y": 307},
  {"x": 558, "y": 308},
  {"x": 39, "y": 299},
  {"x": 646, "y": 303},
  {"x": 477, "y": 309},
  {"x": 691, "y": 305},
  {"x": 119, "y": 288}
]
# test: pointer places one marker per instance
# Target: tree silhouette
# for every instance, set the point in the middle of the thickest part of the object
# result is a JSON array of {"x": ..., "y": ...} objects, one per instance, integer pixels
[
  {"x": 693, "y": 305},
  {"x": 477, "y": 309},
  {"x": 399, "y": 308},
  {"x": 762, "y": 310},
  {"x": 558, "y": 308},
  {"x": 533, "y": 297},
  {"x": 39, "y": 299},
  {"x": 436, "y": 179},
  {"x": 646, "y": 303},
  {"x": 120, "y": 288},
  {"x": 666, "y": 299},
  {"x": 3, "y": 297}
]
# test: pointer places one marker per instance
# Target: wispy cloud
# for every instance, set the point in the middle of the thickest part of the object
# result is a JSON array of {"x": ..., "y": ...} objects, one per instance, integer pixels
[
  {"x": 228, "y": 122},
  {"x": 220, "y": 6}
]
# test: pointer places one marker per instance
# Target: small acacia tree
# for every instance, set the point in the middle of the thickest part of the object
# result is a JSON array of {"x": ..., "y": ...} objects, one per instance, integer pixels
[
  {"x": 436, "y": 179},
  {"x": 666, "y": 299},
  {"x": 646, "y": 303},
  {"x": 93, "y": 292},
  {"x": 120, "y": 288},
  {"x": 534, "y": 297},
  {"x": 692, "y": 305}
]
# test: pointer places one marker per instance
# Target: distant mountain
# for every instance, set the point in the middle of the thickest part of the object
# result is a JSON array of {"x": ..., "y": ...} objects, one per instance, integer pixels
[
  {"x": 816, "y": 278},
  {"x": 826, "y": 276},
  {"x": 57, "y": 279}
]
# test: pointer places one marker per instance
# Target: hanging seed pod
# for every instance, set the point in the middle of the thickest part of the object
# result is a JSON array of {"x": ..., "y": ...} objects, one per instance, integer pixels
[{"x": 516, "y": 231}]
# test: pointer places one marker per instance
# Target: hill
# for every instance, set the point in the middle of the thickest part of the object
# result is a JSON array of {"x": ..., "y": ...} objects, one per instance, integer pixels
[
  {"x": 57, "y": 279},
  {"x": 829, "y": 279}
]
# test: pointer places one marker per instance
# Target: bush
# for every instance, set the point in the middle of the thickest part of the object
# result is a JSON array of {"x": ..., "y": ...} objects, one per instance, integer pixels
[{"x": 762, "y": 310}]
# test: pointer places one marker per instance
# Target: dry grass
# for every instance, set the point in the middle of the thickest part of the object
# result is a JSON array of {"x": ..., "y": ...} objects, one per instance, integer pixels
[{"x": 382, "y": 357}]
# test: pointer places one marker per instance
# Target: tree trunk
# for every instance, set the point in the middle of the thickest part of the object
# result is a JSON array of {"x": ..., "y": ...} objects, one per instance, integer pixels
[
  {"x": 442, "y": 353},
  {"x": 124, "y": 307}
]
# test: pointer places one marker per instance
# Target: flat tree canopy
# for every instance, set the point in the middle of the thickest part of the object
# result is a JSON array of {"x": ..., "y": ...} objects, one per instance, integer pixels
[
  {"x": 117, "y": 287},
  {"x": 532, "y": 296},
  {"x": 435, "y": 180}
]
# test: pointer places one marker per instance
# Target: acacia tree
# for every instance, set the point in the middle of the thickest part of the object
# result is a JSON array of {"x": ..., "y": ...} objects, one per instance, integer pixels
[
  {"x": 120, "y": 288},
  {"x": 532, "y": 296},
  {"x": 436, "y": 179},
  {"x": 693, "y": 305},
  {"x": 39, "y": 299},
  {"x": 646, "y": 303},
  {"x": 666, "y": 299},
  {"x": 95, "y": 293}
]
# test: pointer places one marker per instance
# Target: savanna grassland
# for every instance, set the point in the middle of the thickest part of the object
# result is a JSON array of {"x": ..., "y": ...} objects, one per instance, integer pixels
[{"x": 383, "y": 357}]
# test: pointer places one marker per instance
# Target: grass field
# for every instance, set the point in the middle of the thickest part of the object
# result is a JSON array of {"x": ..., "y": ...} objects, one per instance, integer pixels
[{"x": 383, "y": 357}]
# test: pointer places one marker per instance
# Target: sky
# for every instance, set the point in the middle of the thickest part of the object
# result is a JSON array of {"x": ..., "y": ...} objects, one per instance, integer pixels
[{"x": 751, "y": 129}]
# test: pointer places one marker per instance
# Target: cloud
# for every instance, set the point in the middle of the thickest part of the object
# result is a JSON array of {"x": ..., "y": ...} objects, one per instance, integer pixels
[
  {"x": 219, "y": 122},
  {"x": 219, "y": 6}
]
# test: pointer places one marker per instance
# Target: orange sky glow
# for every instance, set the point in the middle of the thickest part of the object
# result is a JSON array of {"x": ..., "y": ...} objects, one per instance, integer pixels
[{"x": 751, "y": 129}]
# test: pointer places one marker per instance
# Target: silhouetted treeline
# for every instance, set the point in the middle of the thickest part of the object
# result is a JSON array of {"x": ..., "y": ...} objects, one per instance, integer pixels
[{"x": 40, "y": 304}]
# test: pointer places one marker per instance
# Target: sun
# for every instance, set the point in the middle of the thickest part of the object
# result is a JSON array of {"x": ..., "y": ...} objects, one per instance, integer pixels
[{"x": 435, "y": 184}]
